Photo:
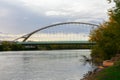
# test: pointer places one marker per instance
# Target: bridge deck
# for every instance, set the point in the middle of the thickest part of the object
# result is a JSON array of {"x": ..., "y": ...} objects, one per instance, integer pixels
[{"x": 55, "y": 42}]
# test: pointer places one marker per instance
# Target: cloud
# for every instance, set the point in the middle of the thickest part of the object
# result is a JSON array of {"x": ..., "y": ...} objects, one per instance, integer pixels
[
  {"x": 66, "y": 7},
  {"x": 56, "y": 13},
  {"x": 23, "y": 16},
  {"x": 4, "y": 12},
  {"x": 72, "y": 10}
]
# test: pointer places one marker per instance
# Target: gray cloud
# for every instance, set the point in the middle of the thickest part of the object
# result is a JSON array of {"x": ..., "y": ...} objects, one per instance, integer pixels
[{"x": 23, "y": 16}]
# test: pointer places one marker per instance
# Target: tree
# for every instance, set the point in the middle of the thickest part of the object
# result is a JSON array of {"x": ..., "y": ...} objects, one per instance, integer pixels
[
  {"x": 6, "y": 46},
  {"x": 10, "y": 46},
  {"x": 107, "y": 36}
]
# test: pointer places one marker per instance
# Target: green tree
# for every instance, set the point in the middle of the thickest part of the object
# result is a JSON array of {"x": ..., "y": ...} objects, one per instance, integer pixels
[
  {"x": 6, "y": 46},
  {"x": 10, "y": 46},
  {"x": 107, "y": 36},
  {"x": 17, "y": 47}
]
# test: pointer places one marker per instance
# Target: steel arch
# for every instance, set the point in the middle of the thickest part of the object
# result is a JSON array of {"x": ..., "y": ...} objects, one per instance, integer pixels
[{"x": 49, "y": 26}]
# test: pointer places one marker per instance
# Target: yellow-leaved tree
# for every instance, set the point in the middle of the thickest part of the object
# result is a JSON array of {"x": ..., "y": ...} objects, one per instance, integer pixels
[{"x": 107, "y": 36}]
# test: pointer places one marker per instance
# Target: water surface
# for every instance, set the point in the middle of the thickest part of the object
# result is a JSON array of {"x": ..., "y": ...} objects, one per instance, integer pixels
[{"x": 44, "y": 65}]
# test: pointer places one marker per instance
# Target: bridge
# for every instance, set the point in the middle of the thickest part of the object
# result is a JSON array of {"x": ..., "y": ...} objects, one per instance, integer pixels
[
  {"x": 57, "y": 45},
  {"x": 56, "y": 42},
  {"x": 81, "y": 27}
]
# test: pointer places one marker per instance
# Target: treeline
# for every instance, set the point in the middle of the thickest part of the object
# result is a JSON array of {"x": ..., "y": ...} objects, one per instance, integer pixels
[
  {"x": 10, "y": 46},
  {"x": 13, "y": 46}
]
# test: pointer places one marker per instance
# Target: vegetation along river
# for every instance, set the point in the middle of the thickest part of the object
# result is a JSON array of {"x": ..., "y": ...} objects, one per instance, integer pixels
[{"x": 44, "y": 65}]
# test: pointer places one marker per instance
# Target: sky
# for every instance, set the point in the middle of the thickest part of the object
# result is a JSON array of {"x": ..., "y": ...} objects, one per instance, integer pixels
[
  {"x": 47, "y": 37},
  {"x": 24, "y": 16}
]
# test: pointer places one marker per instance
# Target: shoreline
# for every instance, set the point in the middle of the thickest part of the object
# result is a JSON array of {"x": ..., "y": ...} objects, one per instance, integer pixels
[{"x": 91, "y": 74}]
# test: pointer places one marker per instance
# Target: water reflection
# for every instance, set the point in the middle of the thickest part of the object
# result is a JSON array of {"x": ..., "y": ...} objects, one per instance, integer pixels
[{"x": 43, "y": 65}]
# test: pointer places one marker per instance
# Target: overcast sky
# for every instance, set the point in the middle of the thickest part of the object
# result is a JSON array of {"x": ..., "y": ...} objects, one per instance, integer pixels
[{"x": 24, "y": 16}]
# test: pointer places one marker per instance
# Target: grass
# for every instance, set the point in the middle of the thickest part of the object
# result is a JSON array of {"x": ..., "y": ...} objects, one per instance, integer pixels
[{"x": 110, "y": 73}]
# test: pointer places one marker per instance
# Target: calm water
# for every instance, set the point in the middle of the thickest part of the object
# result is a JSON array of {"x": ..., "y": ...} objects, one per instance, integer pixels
[{"x": 44, "y": 65}]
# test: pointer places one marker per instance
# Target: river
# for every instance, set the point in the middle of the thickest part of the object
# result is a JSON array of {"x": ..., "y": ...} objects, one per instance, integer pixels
[{"x": 44, "y": 65}]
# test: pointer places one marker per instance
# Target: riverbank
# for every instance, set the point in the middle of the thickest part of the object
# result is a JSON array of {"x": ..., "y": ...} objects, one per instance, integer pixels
[{"x": 106, "y": 73}]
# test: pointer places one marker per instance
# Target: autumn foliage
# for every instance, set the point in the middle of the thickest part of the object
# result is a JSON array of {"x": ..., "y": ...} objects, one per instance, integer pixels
[{"x": 107, "y": 36}]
